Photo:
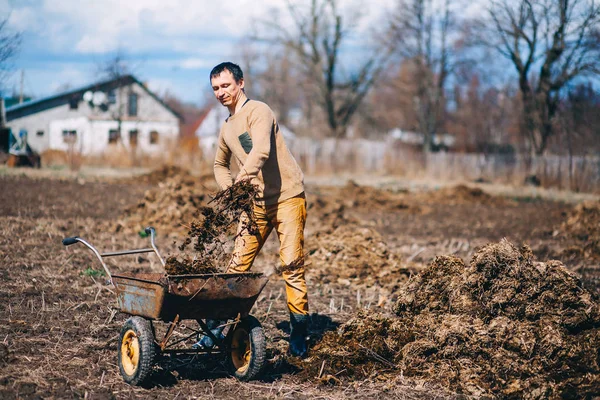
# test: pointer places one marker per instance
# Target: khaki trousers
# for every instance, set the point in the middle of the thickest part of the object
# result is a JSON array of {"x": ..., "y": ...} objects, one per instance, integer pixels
[{"x": 288, "y": 219}]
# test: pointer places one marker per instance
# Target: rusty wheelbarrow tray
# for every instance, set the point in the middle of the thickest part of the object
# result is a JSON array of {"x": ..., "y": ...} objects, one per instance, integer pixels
[
  {"x": 207, "y": 296},
  {"x": 152, "y": 297}
]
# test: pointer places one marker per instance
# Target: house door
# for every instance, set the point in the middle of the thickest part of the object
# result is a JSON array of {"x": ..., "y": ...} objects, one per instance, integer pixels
[{"x": 133, "y": 137}]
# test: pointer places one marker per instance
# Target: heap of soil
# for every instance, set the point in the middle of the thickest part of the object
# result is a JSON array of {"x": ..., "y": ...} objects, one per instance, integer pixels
[
  {"x": 503, "y": 325},
  {"x": 352, "y": 254},
  {"x": 214, "y": 230},
  {"x": 328, "y": 206},
  {"x": 369, "y": 197},
  {"x": 584, "y": 221},
  {"x": 461, "y": 194},
  {"x": 583, "y": 224},
  {"x": 169, "y": 207},
  {"x": 162, "y": 174},
  {"x": 325, "y": 213}
]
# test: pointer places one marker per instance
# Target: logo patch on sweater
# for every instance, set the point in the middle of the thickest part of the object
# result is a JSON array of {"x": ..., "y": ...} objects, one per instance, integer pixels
[{"x": 246, "y": 142}]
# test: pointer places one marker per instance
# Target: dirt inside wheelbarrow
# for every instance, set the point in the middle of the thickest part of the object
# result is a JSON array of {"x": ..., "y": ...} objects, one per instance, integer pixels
[
  {"x": 502, "y": 325},
  {"x": 211, "y": 234}
]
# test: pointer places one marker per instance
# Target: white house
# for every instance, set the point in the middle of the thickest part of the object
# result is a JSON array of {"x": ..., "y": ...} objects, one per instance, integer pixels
[
  {"x": 208, "y": 130},
  {"x": 97, "y": 118}
]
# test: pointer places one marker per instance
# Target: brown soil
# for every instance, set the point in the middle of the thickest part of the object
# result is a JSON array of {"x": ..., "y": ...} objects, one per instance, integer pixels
[
  {"x": 353, "y": 254},
  {"x": 166, "y": 172},
  {"x": 59, "y": 323},
  {"x": 583, "y": 223},
  {"x": 461, "y": 194}
]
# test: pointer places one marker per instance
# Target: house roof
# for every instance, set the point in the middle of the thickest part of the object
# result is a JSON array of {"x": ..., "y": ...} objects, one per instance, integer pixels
[
  {"x": 59, "y": 99},
  {"x": 196, "y": 124}
]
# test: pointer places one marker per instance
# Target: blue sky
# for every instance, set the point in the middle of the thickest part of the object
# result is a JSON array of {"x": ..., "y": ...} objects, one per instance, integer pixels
[{"x": 171, "y": 45}]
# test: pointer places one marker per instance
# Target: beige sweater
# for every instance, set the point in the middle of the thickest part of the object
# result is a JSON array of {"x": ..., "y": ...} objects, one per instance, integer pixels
[{"x": 253, "y": 138}]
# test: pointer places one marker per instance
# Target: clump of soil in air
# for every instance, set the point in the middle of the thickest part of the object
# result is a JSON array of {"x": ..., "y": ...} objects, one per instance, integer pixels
[
  {"x": 168, "y": 207},
  {"x": 352, "y": 254},
  {"x": 503, "y": 325},
  {"x": 211, "y": 231}
]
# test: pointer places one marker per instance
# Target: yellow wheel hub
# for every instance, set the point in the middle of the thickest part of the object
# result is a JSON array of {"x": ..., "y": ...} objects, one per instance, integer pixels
[
  {"x": 241, "y": 350},
  {"x": 130, "y": 352}
]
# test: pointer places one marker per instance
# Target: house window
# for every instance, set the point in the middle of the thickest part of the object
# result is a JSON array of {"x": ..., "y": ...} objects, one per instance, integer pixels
[
  {"x": 133, "y": 137},
  {"x": 39, "y": 133},
  {"x": 73, "y": 103},
  {"x": 153, "y": 137},
  {"x": 113, "y": 136},
  {"x": 133, "y": 104},
  {"x": 69, "y": 136},
  {"x": 112, "y": 96}
]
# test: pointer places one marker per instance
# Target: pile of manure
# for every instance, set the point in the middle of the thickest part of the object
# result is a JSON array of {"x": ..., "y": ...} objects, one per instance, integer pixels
[
  {"x": 169, "y": 207},
  {"x": 352, "y": 254},
  {"x": 503, "y": 325}
]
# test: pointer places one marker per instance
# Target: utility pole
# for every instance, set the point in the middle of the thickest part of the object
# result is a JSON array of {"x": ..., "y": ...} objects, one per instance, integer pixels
[{"x": 21, "y": 88}]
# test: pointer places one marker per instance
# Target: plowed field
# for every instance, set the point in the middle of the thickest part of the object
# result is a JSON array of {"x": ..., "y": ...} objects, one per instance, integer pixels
[{"x": 368, "y": 251}]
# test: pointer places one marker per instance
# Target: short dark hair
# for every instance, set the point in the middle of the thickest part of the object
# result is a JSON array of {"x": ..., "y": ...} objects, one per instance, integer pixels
[{"x": 235, "y": 70}]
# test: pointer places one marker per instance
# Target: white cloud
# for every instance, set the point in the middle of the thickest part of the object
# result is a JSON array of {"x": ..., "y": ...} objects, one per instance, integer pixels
[
  {"x": 94, "y": 26},
  {"x": 175, "y": 41},
  {"x": 195, "y": 63}
]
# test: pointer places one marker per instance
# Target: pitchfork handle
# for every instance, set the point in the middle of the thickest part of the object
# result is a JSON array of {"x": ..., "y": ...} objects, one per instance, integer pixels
[{"x": 70, "y": 240}]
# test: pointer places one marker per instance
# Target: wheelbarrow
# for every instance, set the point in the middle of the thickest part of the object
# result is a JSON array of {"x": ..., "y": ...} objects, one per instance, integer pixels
[{"x": 153, "y": 297}]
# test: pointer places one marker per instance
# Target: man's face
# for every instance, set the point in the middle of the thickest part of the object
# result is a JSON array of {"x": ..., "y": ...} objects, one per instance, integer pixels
[{"x": 226, "y": 89}]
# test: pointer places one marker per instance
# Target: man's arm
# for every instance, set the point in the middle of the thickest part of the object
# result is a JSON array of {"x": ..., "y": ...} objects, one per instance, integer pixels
[
  {"x": 261, "y": 126},
  {"x": 222, "y": 162}
]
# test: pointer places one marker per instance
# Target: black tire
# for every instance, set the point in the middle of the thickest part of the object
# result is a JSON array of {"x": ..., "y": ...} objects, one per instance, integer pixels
[
  {"x": 137, "y": 350},
  {"x": 247, "y": 349}
]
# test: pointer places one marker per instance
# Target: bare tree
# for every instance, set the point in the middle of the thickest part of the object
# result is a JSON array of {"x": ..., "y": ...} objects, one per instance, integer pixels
[
  {"x": 315, "y": 39},
  {"x": 271, "y": 76},
  {"x": 10, "y": 44},
  {"x": 423, "y": 31},
  {"x": 550, "y": 43},
  {"x": 117, "y": 68}
]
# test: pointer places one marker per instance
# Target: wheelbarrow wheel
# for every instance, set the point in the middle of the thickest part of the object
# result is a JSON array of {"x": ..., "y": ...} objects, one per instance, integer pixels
[
  {"x": 247, "y": 353},
  {"x": 136, "y": 351}
]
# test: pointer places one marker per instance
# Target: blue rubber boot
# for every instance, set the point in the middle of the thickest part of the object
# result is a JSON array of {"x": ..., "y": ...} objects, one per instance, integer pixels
[
  {"x": 206, "y": 342},
  {"x": 298, "y": 333}
]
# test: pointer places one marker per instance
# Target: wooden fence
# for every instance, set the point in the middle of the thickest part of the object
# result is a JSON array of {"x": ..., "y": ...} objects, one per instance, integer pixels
[{"x": 364, "y": 157}]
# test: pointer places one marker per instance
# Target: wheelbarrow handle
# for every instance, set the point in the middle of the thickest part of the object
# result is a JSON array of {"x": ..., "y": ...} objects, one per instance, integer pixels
[
  {"x": 74, "y": 239},
  {"x": 70, "y": 240},
  {"x": 152, "y": 233}
]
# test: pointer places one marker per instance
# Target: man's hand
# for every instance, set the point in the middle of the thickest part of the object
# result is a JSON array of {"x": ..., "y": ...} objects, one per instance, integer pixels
[{"x": 241, "y": 176}]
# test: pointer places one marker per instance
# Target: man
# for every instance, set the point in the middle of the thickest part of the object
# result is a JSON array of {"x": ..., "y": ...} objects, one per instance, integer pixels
[{"x": 252, "y": 137}]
